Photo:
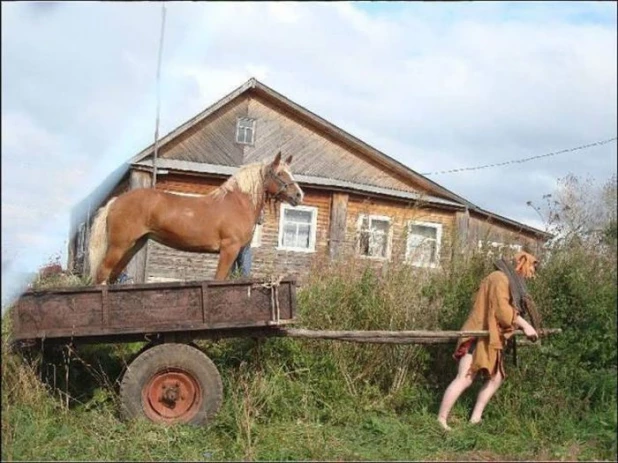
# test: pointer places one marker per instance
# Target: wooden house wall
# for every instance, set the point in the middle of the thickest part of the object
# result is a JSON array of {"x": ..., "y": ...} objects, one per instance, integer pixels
[
  {"x": 399, "y": 214},
  {"x": 314, "y": 153},
  {"x": 480, "y": 229},
  {"x": 213, "y": 140},
  {"x": 166, "y": 264}
]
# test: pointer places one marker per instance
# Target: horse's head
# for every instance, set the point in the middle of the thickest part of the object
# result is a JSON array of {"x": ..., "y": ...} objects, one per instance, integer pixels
[{"x": 280, "y": 183}]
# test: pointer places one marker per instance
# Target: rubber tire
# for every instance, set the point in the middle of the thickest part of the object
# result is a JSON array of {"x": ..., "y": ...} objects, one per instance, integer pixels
[{"x": 172, "y": 355}]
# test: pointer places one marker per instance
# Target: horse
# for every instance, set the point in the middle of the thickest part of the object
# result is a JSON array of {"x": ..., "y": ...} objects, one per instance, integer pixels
[{"x": 221, "y": 222}]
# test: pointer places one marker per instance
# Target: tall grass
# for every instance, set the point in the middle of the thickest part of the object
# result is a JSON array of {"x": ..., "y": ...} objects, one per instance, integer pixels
[{"x": 289, "y": 399}]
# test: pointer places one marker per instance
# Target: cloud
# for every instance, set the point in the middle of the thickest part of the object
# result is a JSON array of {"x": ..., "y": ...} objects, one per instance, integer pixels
[{"x": 435, "y": 86}]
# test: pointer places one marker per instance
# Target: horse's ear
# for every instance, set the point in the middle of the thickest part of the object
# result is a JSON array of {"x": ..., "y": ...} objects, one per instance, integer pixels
[
  {"x": 277, "y": 160},
  {"x": 288, "y": 161}
]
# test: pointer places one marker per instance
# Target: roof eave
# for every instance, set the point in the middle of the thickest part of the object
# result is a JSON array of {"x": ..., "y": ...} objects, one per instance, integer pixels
[{"x": 318, "y": 182}]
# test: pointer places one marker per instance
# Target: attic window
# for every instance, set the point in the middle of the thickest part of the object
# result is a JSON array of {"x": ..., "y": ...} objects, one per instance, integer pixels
[{"x": 245, "y": 131}]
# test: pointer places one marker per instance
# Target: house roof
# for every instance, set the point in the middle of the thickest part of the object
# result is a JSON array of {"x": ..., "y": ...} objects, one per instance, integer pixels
[
  {"x": 256, "y": 87},
  {"x": 226, "y": 171},
  {"x": 440, "y": 194}
]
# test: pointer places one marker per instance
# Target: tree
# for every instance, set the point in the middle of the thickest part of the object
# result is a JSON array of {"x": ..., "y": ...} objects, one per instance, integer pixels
[{"x": 581, "y": 211}]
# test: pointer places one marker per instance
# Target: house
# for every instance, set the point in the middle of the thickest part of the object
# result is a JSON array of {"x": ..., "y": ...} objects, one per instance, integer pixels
[{"x": 358, "y": 200}]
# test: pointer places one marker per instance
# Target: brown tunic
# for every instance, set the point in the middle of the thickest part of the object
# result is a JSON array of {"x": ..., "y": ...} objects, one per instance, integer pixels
[{"x": 492, "y": 311}]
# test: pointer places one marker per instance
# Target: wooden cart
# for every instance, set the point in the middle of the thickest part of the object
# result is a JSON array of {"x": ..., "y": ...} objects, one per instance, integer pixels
[{"x": 171, "y": 380}]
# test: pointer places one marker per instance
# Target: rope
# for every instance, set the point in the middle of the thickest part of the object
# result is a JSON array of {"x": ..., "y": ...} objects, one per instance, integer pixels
[{"x": 275, "y": 311}]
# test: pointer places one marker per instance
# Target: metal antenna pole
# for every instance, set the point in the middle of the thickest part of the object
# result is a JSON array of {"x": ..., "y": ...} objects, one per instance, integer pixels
[{"x": 156, "y": 137}]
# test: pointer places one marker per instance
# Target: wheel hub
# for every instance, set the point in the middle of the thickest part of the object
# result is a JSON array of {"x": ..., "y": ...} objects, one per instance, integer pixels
[{"x": 171, "y": 396}]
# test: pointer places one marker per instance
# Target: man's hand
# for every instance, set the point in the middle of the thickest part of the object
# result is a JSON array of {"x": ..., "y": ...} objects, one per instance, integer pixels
[{"x": 531, "y": 333}]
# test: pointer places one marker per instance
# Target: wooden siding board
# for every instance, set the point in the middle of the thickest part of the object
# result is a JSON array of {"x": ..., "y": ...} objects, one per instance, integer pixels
[
  {"x": 339, "y": 210},
  {"x": 136, "y": 269}
]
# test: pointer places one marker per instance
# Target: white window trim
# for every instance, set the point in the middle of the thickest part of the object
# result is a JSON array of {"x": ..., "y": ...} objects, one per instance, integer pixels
[
  {"x": 438, "y": 227},
  {"x": 389, "y": 239},
  {"x": 252, "y": 142},
  {"x": 312, "y": 232}
]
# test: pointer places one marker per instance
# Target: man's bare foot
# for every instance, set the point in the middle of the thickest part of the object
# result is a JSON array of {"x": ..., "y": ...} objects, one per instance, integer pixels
[
  {"x": 475, "y": 420},
  {"x": 445, "y": 426}
]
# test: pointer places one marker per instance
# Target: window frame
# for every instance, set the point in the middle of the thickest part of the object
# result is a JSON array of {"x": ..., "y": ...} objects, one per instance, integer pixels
[
  {"x": 435, "y": 225},
  {"x": 389, "y": 235},
  {"x": 244, "y": 131},
  {"x": 312, "y": 231}
]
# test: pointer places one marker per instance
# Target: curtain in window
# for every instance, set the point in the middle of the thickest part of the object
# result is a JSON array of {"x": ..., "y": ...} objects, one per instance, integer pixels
[
  {"x": 374, "y": 237},
  {"x": 423, "y": 244},
  {"x": 296, "y": 229}
]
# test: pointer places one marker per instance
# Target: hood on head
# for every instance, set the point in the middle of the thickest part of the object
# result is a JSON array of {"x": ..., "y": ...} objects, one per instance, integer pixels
[{"x": 525, "y": 264}]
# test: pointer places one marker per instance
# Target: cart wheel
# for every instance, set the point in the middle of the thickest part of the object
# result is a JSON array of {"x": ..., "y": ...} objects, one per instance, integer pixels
[{"x": 171, "y": 383}]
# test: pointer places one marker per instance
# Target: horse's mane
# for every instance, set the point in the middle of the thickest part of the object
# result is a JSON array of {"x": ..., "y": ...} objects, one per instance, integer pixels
[{"x": 249, "y": 179}]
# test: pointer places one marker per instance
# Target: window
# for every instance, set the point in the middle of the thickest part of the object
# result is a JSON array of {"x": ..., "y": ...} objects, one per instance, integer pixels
[
  {"x": 297, "y": 228},
  {"x": 245, "y": 131},
  {"x": 423, "y": 244},
  {"x": 374, "y": 236}
]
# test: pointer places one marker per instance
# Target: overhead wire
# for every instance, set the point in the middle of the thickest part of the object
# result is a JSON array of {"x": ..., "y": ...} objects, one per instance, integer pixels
[{"x": 519, "y": 161}]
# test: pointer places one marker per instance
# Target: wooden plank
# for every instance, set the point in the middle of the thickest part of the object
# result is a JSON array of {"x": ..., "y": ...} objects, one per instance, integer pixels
[
  {"x": 189, "y": 328},
  {"x": 205, "y": 318},
  {"x": 338, "y": 220},
  {"x": 398, "y": 337},
  {"x": 462, "y": 222},
  {"x": 112, "y": 309},
  {"x": 136, "y": 267},
  {"x": 105, "y": 307}
]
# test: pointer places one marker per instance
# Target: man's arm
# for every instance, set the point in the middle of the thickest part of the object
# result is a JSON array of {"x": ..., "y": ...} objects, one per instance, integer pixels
[{"x": 526, "y": 327}]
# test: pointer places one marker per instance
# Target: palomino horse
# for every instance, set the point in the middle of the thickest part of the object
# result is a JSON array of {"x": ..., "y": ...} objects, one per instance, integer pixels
[{"x": 221, "y": 222}]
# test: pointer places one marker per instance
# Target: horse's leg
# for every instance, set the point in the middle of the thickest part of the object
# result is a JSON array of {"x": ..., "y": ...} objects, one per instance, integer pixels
[
  {"x": 124, "y": 261},
  {"x": 227, "y": 256},
  {"x": 113, "y": 255},
  {"x": 116, "y": 254}
]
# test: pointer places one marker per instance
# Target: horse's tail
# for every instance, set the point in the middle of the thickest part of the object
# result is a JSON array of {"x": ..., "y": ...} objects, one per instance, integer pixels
[{"x": 97, "y": 246}]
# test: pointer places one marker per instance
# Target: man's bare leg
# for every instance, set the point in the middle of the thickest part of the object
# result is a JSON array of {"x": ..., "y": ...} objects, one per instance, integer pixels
[
  {"x": 463, "y": 380},
  {"x": 485, "y": 394}
]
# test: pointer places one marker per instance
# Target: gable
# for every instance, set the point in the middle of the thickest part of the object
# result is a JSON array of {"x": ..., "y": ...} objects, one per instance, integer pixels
[
  {"x": 211, "y": 140},
  {"x": 315, "y": 153}
]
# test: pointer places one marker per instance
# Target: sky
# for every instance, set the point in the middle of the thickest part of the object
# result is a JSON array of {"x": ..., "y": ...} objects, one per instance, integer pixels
[{"x": 436, "y": 86}]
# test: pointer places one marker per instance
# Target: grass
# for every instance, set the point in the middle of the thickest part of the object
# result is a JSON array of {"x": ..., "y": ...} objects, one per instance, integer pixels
[{"x": 289, "y": 399}]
